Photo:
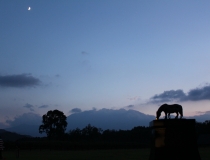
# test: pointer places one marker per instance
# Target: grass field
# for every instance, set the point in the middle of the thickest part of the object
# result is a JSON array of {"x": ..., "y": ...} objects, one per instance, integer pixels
[{"x": 121, "y": 154}]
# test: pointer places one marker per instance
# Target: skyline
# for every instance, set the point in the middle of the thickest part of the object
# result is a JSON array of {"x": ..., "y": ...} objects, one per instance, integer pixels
[{"x": 84, "y": 55}]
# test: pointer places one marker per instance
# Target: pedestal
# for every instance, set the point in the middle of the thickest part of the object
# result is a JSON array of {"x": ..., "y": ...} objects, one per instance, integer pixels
[{"x": 174, "y": 139}]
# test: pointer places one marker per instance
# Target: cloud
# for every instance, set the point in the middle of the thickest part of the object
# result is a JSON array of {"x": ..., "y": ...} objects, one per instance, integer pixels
[
  {"x": 205, "y": 112},
  {"x": 130, "y": 106},
  {"x": 29, "y": 106},
  {"x": 94, "y": 109},
  {"x": 2, "y": 125},
  {"x": 26, "y": 118},
  {"x": 134, "y": 98},
  {"x": 57, "y": 75},
  {"x": 166, "y": 96},
  {"x": 44, "y": 106},
  {"x": 21, "y": 80},
  {"x": 196, "y": 94},
  {"x": 75, "y": 110},
  {"x": 84, "y": 53},
  {"x": 199, "y": 94},
  {"x": 201, "y": 118}
]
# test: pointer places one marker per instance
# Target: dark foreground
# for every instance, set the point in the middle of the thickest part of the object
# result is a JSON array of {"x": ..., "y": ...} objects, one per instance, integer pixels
[{"x": 118, "y": 154}]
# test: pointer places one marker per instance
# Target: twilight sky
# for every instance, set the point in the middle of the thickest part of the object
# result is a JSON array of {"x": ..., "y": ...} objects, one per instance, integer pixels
[{"x": 76, "y": 55}]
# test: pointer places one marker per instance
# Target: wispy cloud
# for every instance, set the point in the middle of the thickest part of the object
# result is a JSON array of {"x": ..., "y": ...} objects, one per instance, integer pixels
[
  {"x": 75, "y": 110},
  {"x": 29, "y": 106},
  {"x": 57, "y": 75},
  {"x": 84, "y": 53},
  {"x": 205, "y": 112},
  {"x": 130, "y": 106},
  {"x": 21, "y": 80},
  {"x": 43, "y": 106},
  {"x": 196, "y": 94},
  {"x": 134, "y": 98}
]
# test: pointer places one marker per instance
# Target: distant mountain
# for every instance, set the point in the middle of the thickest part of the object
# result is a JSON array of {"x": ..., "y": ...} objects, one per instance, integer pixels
[
  {"x": 26, "y": 129},
  {"x": 103, "y": 118},
  {"x": 11, "y": 136},
  {"x": 109, "y": 119},
  {"x": 200, "y": 118}
]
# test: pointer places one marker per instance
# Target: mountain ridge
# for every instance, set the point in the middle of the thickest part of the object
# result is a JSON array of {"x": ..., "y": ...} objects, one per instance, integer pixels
[
  {"x": 104, "y": 118},
  {"x": 11, "y": 136}
]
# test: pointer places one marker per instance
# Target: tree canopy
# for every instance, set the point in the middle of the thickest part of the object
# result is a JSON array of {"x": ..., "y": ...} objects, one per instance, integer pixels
[{"x": 53, "y": 123}]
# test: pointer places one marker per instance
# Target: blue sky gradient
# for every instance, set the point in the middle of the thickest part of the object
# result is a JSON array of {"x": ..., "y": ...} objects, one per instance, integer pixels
[{"x": 103, "y": 54}]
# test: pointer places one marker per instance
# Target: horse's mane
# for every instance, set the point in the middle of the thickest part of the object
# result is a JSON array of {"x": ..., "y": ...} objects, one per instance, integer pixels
[{"x": 160, "y": 109}]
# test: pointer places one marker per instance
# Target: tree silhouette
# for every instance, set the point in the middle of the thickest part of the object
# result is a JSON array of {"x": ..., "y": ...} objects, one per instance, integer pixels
[
  {"x": 54, "y": 124},
  {"x": 75, "y": 134},
  {"x": 91, "y": 132}
]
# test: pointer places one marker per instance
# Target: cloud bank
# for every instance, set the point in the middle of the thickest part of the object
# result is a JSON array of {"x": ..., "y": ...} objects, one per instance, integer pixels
[
  {"x": 21, "y": 80},
  {"x": 196, "y": 94},
  {"x": 199, "y": 94},
  {"x": 26, "y": 118},
  {"x": 26, "y": 124}
]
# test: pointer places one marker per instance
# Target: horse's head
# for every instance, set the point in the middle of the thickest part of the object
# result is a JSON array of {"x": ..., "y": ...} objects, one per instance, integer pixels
[{"x": 158, "y": 115}]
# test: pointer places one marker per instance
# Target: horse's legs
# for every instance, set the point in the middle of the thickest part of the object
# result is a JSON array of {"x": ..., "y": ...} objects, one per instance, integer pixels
[
  {"x": 180, "y": 115},
  {"x": 165, "y": 115},
  {"x": 177, "y": 114},
  {"x": 169, "y": 117}
]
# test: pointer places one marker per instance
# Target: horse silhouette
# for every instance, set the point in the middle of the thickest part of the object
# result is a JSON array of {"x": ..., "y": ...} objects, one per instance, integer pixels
[{"x": 168, "y": 109}]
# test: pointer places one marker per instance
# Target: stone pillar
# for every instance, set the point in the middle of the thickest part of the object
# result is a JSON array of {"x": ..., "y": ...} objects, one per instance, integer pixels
[{"x": 174, "y": 139}]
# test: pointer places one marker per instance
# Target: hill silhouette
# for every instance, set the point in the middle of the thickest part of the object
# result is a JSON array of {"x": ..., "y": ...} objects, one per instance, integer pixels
[
  {"x": 104, "y": 118},
  {"x": 26, "y": 129},
  {"x": 11, "y": 136},
  {"x": 109, "y": 119}
]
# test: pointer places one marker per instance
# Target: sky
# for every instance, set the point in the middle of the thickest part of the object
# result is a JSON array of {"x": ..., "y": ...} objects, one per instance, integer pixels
[{"x": 77, "y": 55}]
